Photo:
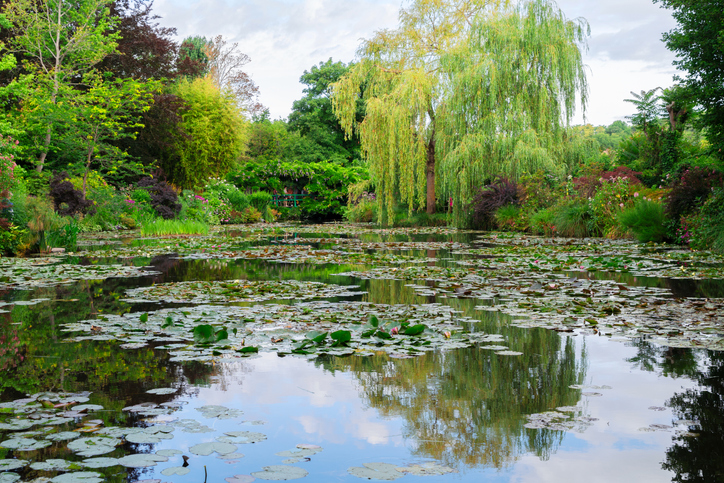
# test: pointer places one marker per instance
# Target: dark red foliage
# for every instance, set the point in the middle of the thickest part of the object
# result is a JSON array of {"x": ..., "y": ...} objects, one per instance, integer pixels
[
  {"x": 163, "y": 197},
  {"x": 489, "y": 199},
  {"x": 586, "y": 186},
  {"x": 67, "y": 199},
  {"x": 690, "y": 190},
  {"x": 146, "y": 50},
  {"x": 622, "y": 172}
]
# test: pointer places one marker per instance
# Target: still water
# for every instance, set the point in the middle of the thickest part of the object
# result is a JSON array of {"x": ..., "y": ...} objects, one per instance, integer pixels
[{"x": 565, "y": 407}]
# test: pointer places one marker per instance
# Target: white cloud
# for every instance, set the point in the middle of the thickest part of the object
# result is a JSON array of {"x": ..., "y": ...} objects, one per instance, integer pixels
[{"x": 286, "y": 37}]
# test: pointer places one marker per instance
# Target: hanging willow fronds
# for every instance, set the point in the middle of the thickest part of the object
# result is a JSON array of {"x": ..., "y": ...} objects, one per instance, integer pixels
[{"x": 467, "y": 89}]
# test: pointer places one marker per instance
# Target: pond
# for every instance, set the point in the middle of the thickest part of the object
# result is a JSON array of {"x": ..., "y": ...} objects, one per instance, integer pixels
[{"x": 349, "y": 353}]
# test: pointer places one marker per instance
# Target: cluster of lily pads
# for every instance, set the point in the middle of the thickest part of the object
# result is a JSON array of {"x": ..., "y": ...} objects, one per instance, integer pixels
[
  {"x": 31, "y": 273},
  {"x": 207, "y": 332}
]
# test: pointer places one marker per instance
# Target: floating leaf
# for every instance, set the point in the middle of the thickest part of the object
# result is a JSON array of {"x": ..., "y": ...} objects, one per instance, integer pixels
[
  {"x": 376, "y": 471},
  {"x": 205, "y": 449},
  {"x": 12, "y": 464},
  {"x": 415, "y": 330},
  {"x": 280, "y": 473},
  {"x": 141, "y": 460},
  {"x": 79, "y": 477},
  {"x": 175, "y": 470},
  {"x": 163, "y": 390}
]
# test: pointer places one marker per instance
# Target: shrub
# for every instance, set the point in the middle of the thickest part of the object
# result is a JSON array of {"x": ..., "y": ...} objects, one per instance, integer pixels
[
  {"x": 543, "y": 222},
  {"x": 646, "y": 220},
  {"x": 574, "y": 219},
  {"x": 610, "y": 200},
  {"x": 260, "y": 200},
  {"x": 163, "y": 197},
  {"x": 708, "y": 230},
  {"x": 365, "y": 211},
  {"x": 489, "y": 199},
  {"x": 690, "y": 191},
  {"x": 508, "y": 218},
  {"x": 68, "y": 200}
]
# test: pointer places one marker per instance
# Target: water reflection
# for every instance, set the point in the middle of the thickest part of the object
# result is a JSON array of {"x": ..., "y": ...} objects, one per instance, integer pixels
[
  {"x": 700, "y": 458},
  {"x": 467, "y": 407}
]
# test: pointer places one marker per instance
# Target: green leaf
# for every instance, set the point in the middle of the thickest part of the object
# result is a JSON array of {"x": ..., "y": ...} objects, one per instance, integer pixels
[
  {"x": 204, "y": 334},
  {"x": 415, "y": 330},
  {"x": 341, "y": 335},
  {"x": 374, "y": 322},
  {"x": 144, "y": 318},
  {"x": 316, "y": 336},
  {"x": 248, "y": 350}
]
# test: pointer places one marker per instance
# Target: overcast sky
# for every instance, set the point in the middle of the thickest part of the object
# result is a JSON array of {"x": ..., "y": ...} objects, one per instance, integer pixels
[{"x": 286, "y": 37}]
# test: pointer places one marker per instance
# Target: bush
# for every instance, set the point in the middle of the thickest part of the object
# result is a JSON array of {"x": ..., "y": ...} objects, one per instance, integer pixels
[
  {"x": 646, "y": 220},
  {"x": 612, "y": 197},
  {"x": 690, "y": 191},
  {"x": 163, "y": 197},
  {"x": 508, "y": 218},
  {"x": 260, "y": 200},
  {"x": 68, "y": 200},
  {"x": 708, "y": 230},
  {"x": 490, "y": 199},
  {"x": 574, "y": 219},
  {"x": 365, "y": 211},
  {"x": 543, "y": 222}
]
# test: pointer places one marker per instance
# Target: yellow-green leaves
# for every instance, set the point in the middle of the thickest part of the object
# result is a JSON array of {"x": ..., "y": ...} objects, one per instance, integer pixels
[{"x": 460, "y": 92}]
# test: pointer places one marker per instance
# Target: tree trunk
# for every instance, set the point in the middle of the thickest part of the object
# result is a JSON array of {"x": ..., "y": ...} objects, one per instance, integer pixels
[
  {"x": 672, "y": 115},
  {"x": 430, "y": 171},
  {"x": 46, "y": 144}
]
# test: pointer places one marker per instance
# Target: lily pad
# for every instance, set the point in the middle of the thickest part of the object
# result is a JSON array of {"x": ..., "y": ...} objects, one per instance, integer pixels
[
  {"x": 9, "y": 477},
  {"x": 163, "y": 390},
  {"x": 12, "y": 464},
  {"x": 51, "y": 465},
  {"x": 377, "y": 471},
  {"x": 141, "y": 460},
  {"x": 240, "y": 479},
  {"x": 93, "y": 446},
  {"x": 78, "y": 477},
  {"x": 101, "y": 462},
  {"x": 280, "y": 473},
  {"x": 24, "y": 444},
  {"x": 242, "y": 437},
  {"x": 205, "y": 449},
  {"x": 175, "y": 470}
]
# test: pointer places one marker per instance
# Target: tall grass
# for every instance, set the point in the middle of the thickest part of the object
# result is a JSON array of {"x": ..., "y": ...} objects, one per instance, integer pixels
[
  {"x": 645, "y": 220},
  {"x": 574, "y": 220},
  {"x": 159, "y": 226}
]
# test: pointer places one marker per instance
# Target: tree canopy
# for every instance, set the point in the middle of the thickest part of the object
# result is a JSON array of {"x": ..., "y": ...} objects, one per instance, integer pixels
[
  {"x": 698, "y": 42},
  {"x": 460, "y": 92}
]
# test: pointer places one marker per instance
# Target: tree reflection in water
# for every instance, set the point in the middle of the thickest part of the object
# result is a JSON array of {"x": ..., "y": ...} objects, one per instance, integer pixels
[
  {"x": 468, "y": 407},
  {"x": 700, "y": 459}
]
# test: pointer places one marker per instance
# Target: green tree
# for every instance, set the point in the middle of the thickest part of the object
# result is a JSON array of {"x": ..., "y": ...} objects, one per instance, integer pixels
[
  {"x": 313, "y": 117},
  {"x": 62, "y": 39},
  {"x": 463, "y": 91},
  {"x": 698, "y": 42},
  {"x": 104, "y": 112},
  {"x": 215, "y": 133}
]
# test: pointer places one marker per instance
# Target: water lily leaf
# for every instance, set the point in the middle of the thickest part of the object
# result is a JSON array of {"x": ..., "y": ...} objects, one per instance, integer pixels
[
  {"x": 9, "y": 477},
  {"x": 374, "y": 321},
  {"x": 376, "y": 471},
  {"x": 205, "y": 449},
  {"x": 204, "y": 334},
  {"x": 427, "y": 469},
  {"x": 93, "y": 446},
  {"x": 162, "y": 390},
  {"x": 415, "y": 329},
  {"x": 24, "y": 444},
  {"x": 280, "y": 473},
  {"x": 78, "y": 477},
  {"x": 175, "y": 470},
  {"x": 242, "y": 437},
  {"x": 52, "y": 465},
  {"x": 141, "y": 460},
  {"x": 240, "y": 479},
  {"x": 12, "y": 464},
  {"x": 169, "y": 453},
  {"x": 316, "y": 336},
  {"x": 100, "y": 462},
  {"x": 248, "y": 350},
  {"x": 144, "y": 318}
]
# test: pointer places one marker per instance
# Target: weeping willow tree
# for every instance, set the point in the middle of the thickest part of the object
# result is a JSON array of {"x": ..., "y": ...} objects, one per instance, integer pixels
[{"x": 460, "y": 92}]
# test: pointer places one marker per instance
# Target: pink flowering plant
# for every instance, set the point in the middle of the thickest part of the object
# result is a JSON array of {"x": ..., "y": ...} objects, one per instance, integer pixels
[{"x": 8, "y": 148}]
